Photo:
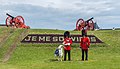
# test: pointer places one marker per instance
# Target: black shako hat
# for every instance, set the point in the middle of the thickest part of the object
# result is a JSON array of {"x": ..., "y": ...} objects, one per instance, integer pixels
[
  {"x": 66, "y": 34},
  {"x": 84, "y": 32}
]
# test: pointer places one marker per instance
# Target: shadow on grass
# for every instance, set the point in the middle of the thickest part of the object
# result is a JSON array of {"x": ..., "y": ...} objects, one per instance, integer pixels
[
  {"x": 53, "y": 60},
  {"x": 56, "y": 60}
]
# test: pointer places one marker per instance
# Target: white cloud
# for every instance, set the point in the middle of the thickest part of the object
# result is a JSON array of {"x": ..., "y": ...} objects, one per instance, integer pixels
[{"x": 61, "y": 13}]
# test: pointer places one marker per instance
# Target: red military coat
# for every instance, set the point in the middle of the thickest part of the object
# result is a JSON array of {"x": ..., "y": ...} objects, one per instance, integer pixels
[
  {"x": 67, "y": 42},
  {"x": 85, "y": 43}
]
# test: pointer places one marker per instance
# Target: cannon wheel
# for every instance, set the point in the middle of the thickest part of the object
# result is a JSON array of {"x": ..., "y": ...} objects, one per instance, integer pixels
[
  {"x": 80, "y": 23},
  {"x": 9, "y": 22},
  {"x": 19, "y": 21},
  {"x": 91, "y": 25}
]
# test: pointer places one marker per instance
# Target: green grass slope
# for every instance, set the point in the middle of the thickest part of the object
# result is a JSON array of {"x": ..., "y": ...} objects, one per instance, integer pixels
[
  {"x": 8, "y": 38},
  {"x": 41, "y": 56}
]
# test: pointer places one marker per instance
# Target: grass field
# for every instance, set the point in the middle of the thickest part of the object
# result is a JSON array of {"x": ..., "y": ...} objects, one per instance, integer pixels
[{"x": 41, "y": 56}]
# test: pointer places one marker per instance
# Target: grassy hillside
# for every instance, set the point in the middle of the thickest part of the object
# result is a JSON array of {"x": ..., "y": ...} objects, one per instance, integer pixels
[
  {"x": 8, "y": 38},
  {"x": 41, "y": 56}
]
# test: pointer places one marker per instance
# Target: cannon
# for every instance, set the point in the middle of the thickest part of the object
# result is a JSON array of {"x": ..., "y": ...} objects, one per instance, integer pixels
[
  {"x": 88, "y": 24},
  {"x": 16, "y": 22}
]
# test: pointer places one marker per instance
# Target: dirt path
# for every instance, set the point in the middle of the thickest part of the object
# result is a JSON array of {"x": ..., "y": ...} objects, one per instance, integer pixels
[
  {"x": 9, "y": 53},
  {"x": 13, "y": 47},
  {"x": 4, "y": 39},
  {"x": 5, "y": 34}
]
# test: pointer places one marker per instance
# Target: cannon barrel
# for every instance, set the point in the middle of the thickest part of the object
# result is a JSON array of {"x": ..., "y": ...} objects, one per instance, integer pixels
[
  {"x": 10, "y": 15},
  {"x": 89, "y": 19}
]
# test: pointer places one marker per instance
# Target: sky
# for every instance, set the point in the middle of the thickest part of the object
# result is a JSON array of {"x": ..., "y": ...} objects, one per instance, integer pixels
[{"x": 62, "y": 14}]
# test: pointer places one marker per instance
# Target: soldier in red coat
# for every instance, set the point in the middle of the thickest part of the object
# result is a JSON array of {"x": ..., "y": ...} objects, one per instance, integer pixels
[
  {"x": 67, "y": 45},
  {"x": 84, "y": 45}
]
